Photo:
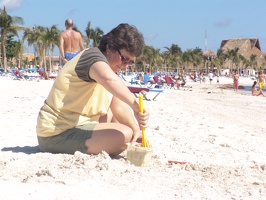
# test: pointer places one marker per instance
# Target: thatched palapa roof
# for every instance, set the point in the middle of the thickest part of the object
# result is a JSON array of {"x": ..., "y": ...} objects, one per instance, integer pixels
[
  {"x": 246, "y": 46},
  {"x": 209, "y": 53}
]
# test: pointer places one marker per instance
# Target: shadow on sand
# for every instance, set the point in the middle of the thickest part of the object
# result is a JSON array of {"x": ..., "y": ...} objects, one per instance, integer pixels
[{"x": 25, "y": 149}]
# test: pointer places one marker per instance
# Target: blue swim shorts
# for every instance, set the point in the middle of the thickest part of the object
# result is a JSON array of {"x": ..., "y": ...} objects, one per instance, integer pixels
[{"x": 70, "y": 55}]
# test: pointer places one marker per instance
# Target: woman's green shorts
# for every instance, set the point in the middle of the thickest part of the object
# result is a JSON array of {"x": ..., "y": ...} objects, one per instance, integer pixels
[{"x": 68, "y": 141}]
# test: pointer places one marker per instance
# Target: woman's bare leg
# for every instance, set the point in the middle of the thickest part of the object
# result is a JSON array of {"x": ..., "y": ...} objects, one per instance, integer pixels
[
  {"x": 261, "y": 92},
  {"x": 109, "y": 137}
]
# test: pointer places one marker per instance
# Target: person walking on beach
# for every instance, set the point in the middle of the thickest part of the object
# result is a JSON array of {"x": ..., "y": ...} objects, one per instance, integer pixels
[
  {"x": 217, "y": 77},
  {"x": 200, "y": 77},
  {"x": 236, "y": 80},
  {"x": 261, "y": 80},
  {"x": 256, "y": 92},
  {"x": 210, "y": 76},
  {"x": 89, "y": 108},
  {"x": 70, "y": 42}
]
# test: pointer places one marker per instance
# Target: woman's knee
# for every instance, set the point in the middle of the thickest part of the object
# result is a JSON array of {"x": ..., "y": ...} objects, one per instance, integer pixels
[
  {"x": 109, "y": 138},
  {"x": 128, "y": 133}
]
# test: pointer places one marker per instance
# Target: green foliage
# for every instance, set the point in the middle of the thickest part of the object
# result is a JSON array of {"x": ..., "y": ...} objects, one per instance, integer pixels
[
  {"x": 8, "y": 24},
  {"x": 10, "y": 44},
  {"x": 93, "y": 34}
]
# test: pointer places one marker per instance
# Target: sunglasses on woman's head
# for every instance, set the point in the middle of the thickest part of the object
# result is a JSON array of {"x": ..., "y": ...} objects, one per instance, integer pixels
[{"x": 124, "y": 59}]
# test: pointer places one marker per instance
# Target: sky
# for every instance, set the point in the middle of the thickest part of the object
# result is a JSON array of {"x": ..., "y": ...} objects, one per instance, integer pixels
[{"x": 187, "y": 23}]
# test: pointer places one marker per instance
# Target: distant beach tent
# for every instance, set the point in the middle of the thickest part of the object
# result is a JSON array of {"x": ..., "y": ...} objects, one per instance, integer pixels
[{"x": 28, "y": 56}]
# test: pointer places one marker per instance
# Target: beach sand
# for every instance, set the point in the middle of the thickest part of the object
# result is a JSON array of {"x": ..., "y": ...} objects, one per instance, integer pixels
[{"x": 220, "y": 134}]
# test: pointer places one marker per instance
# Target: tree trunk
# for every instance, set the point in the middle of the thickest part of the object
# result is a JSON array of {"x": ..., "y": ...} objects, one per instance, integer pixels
[
  {"x": 52, "y": 60},
  {"x": 19, "y": 62},
  {"x": 3, "y": 47},
  {"x": 44, "y": 60}
]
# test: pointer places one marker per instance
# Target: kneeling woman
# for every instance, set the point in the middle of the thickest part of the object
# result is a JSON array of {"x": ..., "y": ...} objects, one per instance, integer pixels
[{"x": 89, "y": 108}]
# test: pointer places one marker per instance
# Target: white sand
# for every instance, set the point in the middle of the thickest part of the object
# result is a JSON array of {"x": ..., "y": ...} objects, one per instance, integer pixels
[{"x": 220, "y": 134}]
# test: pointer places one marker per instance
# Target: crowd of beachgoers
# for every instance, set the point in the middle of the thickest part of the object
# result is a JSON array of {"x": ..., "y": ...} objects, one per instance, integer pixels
[
  {"x": 35, "y": 73},
  {"x": 161, "y": 80},
  {"x": 165, "y": 80}
]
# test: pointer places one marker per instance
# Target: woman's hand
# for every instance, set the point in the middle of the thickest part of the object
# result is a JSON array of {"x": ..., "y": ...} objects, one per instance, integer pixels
[
  {"x": 136, "y": 132},
  {"x": 142, "y": 118}
]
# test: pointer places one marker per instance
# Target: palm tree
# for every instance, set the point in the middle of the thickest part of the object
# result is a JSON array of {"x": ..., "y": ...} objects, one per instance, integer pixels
[
  {"x": 217, "y": 63},
  {"x": 174, "y": 50},
  {"x": 8, "y": 25},
  {"x": 44, "y": 40},
  {"x": 197, "y": 57},
  {"x": 29, "y": 35},
  {"x": 242, "y": 63},
  {"x": 18, "y": 49},
  {"x": 263, "y": 62},
  {"x": 253, "y": 61},
  {"x": 96, "y": 36},
  {"x": 150, "y": 58},
  {"x": 193, "y": 57},
  {"x": 88, "y": 34},
  {"x": 50, "y": 39},
  {"x": 157, "y": 59},
  {"x": 187, "y": 57},
  {"x": 37, "y": 37},
  {"x": 222, "y": 57},
  {"x": 146, "y": 57},
  {"x": 166, "y": 59},
  {"x": 173, "y": 56},
  {"x": 233, "y": 57}
]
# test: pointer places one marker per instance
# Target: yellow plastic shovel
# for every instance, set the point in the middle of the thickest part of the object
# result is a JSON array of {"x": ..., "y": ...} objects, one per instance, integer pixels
[{"x": 144, "y": 142}]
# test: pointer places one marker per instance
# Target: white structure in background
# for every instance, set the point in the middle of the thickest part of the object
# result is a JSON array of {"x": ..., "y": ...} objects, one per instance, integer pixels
[{"x": 245, "y": 72}]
